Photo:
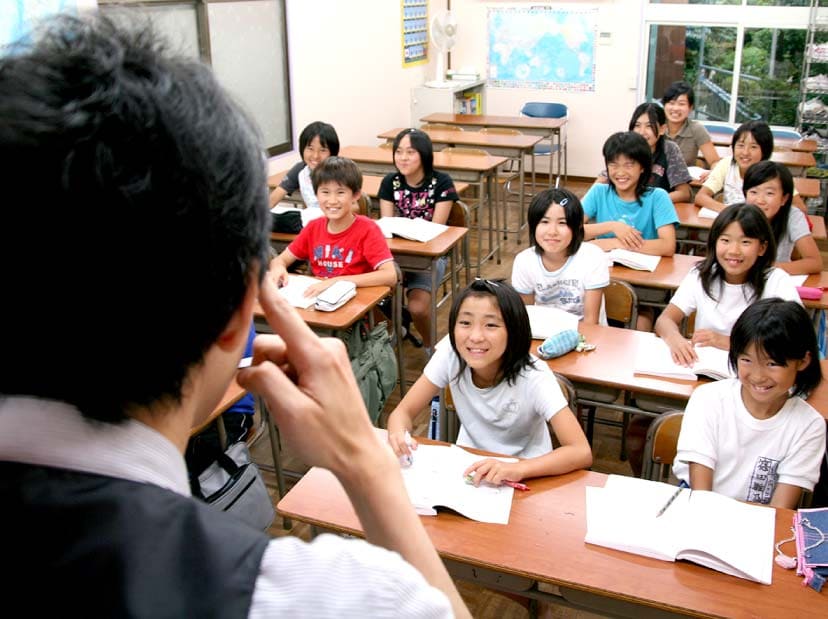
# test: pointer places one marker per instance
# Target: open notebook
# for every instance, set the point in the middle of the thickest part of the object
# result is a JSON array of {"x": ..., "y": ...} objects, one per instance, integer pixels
[
  {"x": 294, "y": 291},
  {"x": 548, "y": 321},
  {"x": 414, "y": 229},
  {"x": 633, "y": 259},
  {"x": 703, "y": 527},
  {"x": 435, "y": 478},
  {"x": 653, "y": 357}
]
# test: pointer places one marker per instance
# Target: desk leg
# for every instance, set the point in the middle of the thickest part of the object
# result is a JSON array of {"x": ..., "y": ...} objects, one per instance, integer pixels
[
  {"x": 494, "y": 239},
  {"x": 275, "y": 450},
  {"x": 481, "y": 185},
  {"x": 521, "y": 196},
  {"x": 433, "y": 303}
]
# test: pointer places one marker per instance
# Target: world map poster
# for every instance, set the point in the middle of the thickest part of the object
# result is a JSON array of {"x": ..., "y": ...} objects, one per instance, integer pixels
[{"x": 542, "y": 47}]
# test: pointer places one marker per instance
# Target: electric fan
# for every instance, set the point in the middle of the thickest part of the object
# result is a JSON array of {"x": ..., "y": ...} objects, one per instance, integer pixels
[{"x": 443, "y": 36}]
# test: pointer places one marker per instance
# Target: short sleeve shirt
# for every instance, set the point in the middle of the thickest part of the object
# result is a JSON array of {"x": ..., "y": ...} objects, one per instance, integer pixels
[
  {"x": 361, "y": 248},
  {"x": 669, "y": 170},
  {"x": 415, "y": 202},
  {"x": 299, "y": 177},
  {"x": 796, "y": 229},
  {"x": 689, "y": 139},
  {"x": 509, "y": 419},
  {"x": 587, "y": 269},
  {"x": 655, "y": 209}
]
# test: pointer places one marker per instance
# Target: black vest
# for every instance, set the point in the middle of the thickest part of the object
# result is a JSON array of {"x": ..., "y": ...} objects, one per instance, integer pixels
[{"x": 76, "y": 543}]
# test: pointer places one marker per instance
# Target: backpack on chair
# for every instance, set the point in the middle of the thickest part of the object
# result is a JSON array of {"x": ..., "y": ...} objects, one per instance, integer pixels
[{"x": 374, "y": 364}]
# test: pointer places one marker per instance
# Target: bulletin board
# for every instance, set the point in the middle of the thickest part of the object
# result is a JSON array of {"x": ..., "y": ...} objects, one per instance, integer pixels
[
  {"x": 414, "y": 22},
  {"x": 542, "y": 48}
]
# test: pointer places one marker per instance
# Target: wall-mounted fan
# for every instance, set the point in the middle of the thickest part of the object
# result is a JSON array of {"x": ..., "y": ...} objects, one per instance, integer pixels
[{"x": 443, "y": 37}]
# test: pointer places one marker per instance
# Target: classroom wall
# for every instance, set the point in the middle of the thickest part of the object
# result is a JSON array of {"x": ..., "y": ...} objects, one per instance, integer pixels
[
  {"x": 346, "y": 68},
  {"x": 592, "y": 116}
]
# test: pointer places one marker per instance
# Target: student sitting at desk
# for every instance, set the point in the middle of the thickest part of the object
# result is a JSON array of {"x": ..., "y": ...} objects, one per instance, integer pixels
[
  {"x": 690, "y": 135},
  {"x": 559, "y": 269},
  {"x": 152, "y": 262},
  {"x": 737, "y": 270},
  {"x": 668, "y": 169},
  {"x": 416, "y": 190},
  {"x": 504, "y": 396},
  {"x": 755, "y": 438},
  {"x": 317, "y": 142},
  {"x": 342, "y": 244},
  {"x": 769, "y": 186},
  {"x": 626, "y": 212},
  {"x": 752, "y": 142}
]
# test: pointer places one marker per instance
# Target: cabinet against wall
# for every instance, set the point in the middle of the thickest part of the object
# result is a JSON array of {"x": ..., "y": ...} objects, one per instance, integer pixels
[{"x": 425, "y": 100}]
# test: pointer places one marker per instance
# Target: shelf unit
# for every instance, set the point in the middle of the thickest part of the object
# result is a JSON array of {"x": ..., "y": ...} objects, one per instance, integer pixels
[
  {"x": 426, "y": 100},
  {"x": 812, "y": 111}
]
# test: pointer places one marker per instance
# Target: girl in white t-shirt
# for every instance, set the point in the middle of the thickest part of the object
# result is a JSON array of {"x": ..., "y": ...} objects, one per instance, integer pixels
[
  {"x": 559, "y": 269},
  {"x": 737, "y": 271},
  {"x": 754, "y": 438},
  {"x": 769, "y": 185},
  {"x": 505, "y": 398}
]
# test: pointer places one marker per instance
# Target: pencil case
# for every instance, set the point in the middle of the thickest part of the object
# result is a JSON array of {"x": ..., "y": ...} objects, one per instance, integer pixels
[
  {"x": 809, "y": 293},
  {"x": 558, "y": 344}
]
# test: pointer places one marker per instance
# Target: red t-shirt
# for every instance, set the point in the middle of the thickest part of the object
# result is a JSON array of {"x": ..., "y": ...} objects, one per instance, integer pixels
[{"x": 361, "y": 248}]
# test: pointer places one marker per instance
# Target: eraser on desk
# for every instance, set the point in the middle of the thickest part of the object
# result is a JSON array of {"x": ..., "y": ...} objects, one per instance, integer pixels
[{"x": 809, "y": 293}]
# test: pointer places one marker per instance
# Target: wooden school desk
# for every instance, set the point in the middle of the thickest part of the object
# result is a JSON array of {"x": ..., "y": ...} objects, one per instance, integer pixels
[
  {"x": 233, "y": 394},
  {"x": 671, "y": 271},
  {"x": 552, "y": 129},
  {"x": 543, "y": 545},
  {"x": 796, "y": 160},
  {"x": 471, "y": 168},
  {"x": 417, "y": 256},
  {"x": 515, "y": 147},
  {"x": 370, "y": 186},
  {"x": 806, "y": 145},
  {"x": 688, "y": 215}
]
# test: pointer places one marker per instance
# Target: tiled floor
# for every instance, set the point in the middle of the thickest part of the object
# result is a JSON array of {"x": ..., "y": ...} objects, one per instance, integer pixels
[{"x": 606, "y": 445}]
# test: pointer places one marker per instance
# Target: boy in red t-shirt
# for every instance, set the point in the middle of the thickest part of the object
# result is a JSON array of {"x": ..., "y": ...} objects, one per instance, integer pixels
[{"x": 341, "y": 245}]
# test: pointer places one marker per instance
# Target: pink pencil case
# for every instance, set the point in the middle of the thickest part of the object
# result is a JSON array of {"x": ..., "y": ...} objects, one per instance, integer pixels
[{"x": 807, "y": 292}]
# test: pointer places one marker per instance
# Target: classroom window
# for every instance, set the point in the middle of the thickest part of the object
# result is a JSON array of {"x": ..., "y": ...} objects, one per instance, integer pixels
[
  {"x": 742, "y": 64},
  {"x": 245, "y": 41}
]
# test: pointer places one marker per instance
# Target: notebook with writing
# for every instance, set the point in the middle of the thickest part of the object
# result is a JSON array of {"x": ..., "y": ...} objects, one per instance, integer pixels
[{"x": 702, "y": 527}]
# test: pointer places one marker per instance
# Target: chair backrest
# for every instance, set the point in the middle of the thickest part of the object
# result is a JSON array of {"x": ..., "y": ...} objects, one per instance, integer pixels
[
  {"x": 501, "y": 131},
  {"x": 688, "y": 325},
  {"x": 457, "y": 150},
  {"x": 621, "y": 303},
  {"x": 365, "y": 204},
  {"x": 543, "y": 109},
  {"x": 728, "y": 129},
  {"x": 660, "y": 447},
  {"x": 568, "y": 390},
  {"x": 388, "y": 145},
  {"x": 440, "y": 127},
  {"x": 459, "y": 215}
]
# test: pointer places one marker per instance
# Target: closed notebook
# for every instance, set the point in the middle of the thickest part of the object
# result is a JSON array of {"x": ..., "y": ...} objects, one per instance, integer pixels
[
  {"x": 653, "y": 357},
  {"x": 703, "y": 527},
  {"x": 335, "y": 296},
  {"x": 413, "y": 229},
  {"x": 435, "y": 479},
  {"x": 633, "y": 259}
]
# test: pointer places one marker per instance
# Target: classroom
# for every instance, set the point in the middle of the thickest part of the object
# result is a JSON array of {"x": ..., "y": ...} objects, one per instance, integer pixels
[{"x": 342, "y": 63}]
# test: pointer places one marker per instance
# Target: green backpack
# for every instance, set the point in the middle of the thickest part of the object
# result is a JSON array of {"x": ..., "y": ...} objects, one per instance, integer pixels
[{"x": 374, "y": 364}]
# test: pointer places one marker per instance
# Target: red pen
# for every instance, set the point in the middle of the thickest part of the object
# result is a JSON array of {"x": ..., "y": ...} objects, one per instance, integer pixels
[{"x": 515, "y": 484}]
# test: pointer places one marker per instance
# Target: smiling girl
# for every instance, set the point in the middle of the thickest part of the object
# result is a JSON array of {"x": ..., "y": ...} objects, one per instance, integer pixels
[
  {"x": 505, "y": 397},
  {"x": 317, "y": 142},
  {"x": 769, "y": 186},
  {"x": 417, "y": 190},
  {"x": 737, "y": 271},
  {"x": 559, "y": 270},
  {"x": 754, "y": 438},
  {"x": 690, "y": 135}
]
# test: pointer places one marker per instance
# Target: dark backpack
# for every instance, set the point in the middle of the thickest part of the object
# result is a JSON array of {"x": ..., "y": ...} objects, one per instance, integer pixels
[{"x": 374, "y": 364}]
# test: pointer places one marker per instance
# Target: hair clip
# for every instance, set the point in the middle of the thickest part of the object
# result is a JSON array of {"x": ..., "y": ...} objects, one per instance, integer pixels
[{"x": 564, "y": 202}]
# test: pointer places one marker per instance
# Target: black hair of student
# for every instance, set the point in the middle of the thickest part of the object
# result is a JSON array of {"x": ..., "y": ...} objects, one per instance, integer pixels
[
  {"x": 338, "y": 170},
  {"x": 762, "y": 172},
  {"x": 760, "y": 131},
  {"x": 326, "y": 134},
  {"x": 632, "y": 146},
  {"x": 754, "y": 225},
  {"x": 676, "y": 89},
  {"x": 421, "y": 143},
  {"x": 135, "y": 217},
  {"x": 656, "y": 116},
  {"x": 784, "y": 331},
  {"x": 516, "y": 356},
  {"x": 573, "y": 212}
]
